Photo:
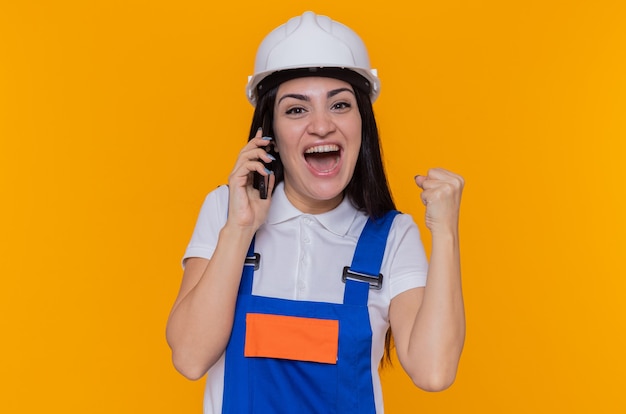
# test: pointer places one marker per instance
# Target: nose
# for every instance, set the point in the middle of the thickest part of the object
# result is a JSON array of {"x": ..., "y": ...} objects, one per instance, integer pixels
[{"x": 321, "y": 124}]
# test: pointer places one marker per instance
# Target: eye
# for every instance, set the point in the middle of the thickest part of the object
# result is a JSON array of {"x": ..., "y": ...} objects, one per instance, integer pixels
[
  {"x": 296, "y": 110},
  {"x": 341, "y": 105}
]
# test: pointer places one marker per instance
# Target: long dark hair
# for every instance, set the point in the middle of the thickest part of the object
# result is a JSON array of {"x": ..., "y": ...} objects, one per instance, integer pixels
[{"x": 368, "y": 190}]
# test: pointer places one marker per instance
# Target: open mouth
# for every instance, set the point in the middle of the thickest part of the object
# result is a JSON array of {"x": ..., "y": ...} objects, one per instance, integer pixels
[{"x": 323, "y": 158}]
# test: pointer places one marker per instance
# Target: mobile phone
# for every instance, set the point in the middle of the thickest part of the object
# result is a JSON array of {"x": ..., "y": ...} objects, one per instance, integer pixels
[{"x": 260, "y": 182}]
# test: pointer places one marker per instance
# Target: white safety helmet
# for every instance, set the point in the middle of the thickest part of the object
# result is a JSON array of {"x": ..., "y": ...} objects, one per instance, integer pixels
[{"x": 314, "y": 42}]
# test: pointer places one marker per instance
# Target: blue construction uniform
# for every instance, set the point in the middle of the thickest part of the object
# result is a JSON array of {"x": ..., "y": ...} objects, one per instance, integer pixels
[{"x": 330, "y": 372}]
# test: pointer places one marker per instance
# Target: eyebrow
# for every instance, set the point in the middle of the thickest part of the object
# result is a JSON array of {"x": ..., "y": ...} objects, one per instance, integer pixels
[
  {"x": 338, "y": 91},
  {"x": 301, "y": 97}
]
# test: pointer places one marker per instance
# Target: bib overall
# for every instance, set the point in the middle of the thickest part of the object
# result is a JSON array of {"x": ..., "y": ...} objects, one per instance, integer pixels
[{"x": 288, "y": 356}]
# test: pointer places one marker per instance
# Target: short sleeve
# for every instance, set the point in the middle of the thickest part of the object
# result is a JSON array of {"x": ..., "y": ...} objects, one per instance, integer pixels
[
  {"x": 210, "y": 221},
  {"x": 408, "y": 262}
]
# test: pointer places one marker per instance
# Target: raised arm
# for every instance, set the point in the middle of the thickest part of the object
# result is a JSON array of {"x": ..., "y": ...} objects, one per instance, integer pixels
[
  {"x": 202, "y": 315},
  {"x": 428, "y": 324}
]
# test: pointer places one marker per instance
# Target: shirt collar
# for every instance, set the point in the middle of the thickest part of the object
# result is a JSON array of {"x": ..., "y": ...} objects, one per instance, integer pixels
[{"x": 337, "y": 221}]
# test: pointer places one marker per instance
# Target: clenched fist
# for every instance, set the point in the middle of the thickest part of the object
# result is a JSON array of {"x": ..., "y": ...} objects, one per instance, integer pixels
[{"x": 441, "y": 195}]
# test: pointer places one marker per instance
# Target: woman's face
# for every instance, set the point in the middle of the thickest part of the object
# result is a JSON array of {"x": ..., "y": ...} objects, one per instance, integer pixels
[{"x": 318, "y": 135}]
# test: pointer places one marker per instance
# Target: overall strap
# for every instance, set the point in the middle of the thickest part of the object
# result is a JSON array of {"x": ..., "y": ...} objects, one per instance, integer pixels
[{"x": 364, "y": 273}]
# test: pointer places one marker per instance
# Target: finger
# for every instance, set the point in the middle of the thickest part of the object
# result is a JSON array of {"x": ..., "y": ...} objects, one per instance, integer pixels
[
  {"x": 252, "y": 159},
  {"x": 271, "y": 181},
  {"x": 431, "y": 174},
  {"x": 419, "y": 180},
  {"x": 446, "y": 175},
  {"x": 242, "y": 174},
  {"x": 267, "y": 157},
  {"x": 256, "y": 154},
  {"x": 259, "y": 141},
  {"x": 426, "y": 182},
  {"x": 438, "y": 176}
]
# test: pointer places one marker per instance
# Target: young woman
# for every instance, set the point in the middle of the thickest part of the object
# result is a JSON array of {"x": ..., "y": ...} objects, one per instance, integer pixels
[{"x": 288, "y": 301}]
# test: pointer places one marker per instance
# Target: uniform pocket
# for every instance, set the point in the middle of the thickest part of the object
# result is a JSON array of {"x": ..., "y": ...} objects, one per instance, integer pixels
[{"x": 291, "y": 338}]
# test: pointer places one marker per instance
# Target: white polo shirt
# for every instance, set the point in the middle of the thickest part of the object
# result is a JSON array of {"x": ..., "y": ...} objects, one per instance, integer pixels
[{"x": 302, "y": 258}]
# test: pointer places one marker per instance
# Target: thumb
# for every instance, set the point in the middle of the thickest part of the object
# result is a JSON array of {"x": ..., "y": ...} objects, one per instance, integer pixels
[{"x": 419, "y": 180}]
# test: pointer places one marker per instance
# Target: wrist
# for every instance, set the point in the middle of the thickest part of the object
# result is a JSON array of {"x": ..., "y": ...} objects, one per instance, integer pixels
[
  {"x": 445, "y": 233},
  {"x": 237, "y": 233}
]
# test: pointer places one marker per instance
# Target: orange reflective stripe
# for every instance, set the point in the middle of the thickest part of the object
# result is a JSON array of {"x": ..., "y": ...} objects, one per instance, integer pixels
[{"x": 290, "y": 337}]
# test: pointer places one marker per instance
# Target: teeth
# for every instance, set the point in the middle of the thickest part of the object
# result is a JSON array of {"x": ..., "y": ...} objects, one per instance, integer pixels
[{"x": 322, "y": 148}]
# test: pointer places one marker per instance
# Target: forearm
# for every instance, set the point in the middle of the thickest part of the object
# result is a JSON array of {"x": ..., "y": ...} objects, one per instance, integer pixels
[
  {"x": 438, "y": 333},
  {"x": 201, "y": 321}
]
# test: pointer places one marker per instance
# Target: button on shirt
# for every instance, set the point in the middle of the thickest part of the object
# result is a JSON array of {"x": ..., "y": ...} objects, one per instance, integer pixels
[{"x": 302, "y": 258}]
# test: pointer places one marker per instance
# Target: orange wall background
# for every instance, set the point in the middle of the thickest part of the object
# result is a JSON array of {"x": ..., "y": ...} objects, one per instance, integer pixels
[{"x": 117, "y": 117}]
